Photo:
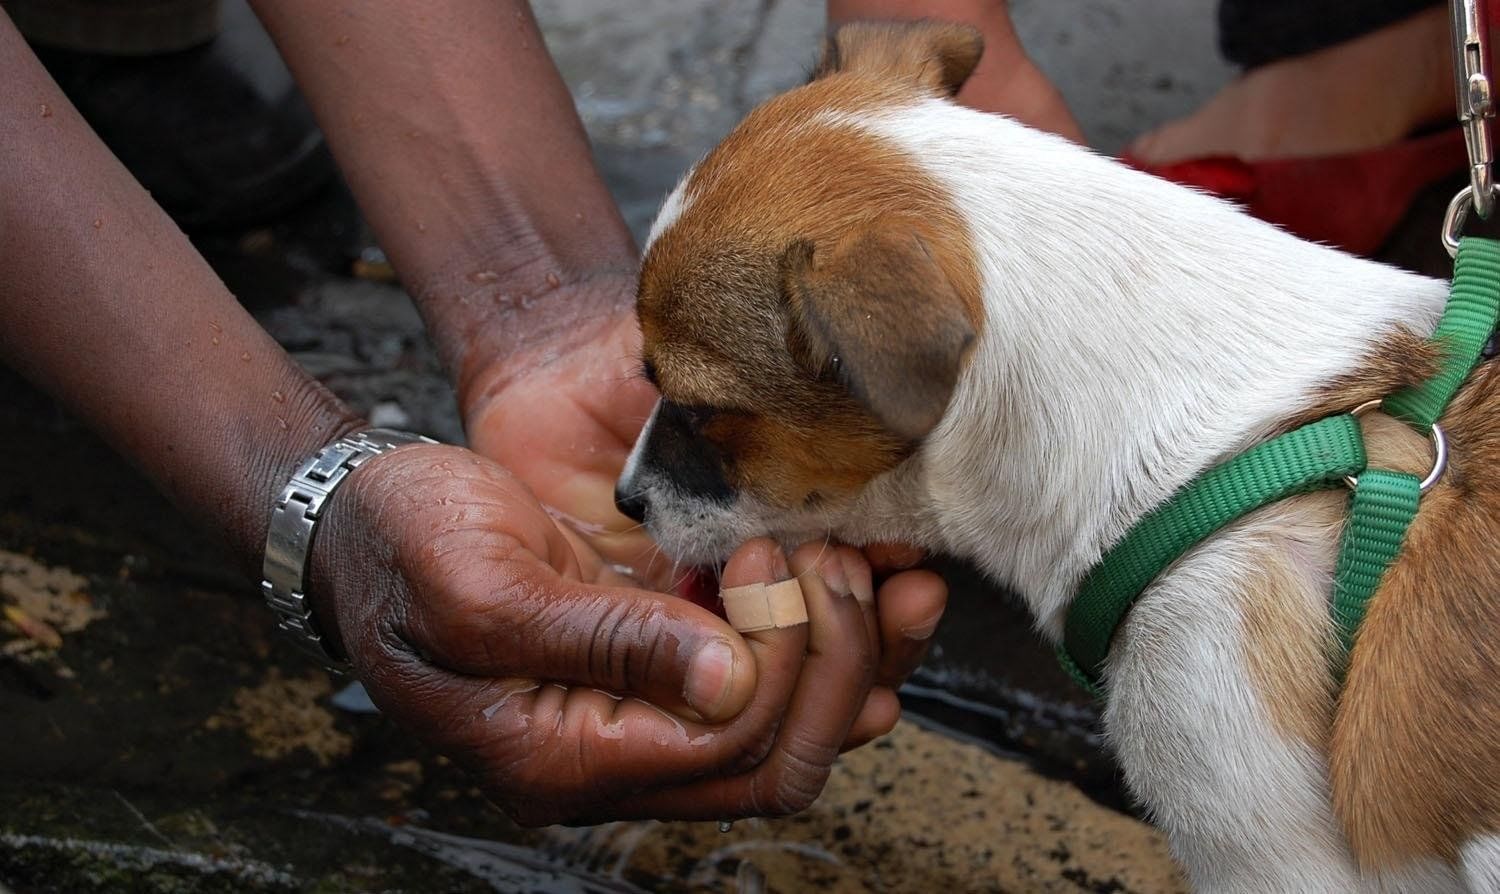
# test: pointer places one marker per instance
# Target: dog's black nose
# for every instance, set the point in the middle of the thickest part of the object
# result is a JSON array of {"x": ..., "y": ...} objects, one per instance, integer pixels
[{"x": 633, "y": 505}]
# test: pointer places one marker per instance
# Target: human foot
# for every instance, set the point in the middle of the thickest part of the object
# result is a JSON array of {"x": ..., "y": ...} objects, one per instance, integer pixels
[{"x": 1360, "y": 95}]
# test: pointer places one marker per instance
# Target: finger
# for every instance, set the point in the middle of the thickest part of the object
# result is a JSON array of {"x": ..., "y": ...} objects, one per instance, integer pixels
[
  {"x": 887, "y": 558},
  {"x": 910, "y": 606},
  {"x": 627, "y": 749},
  {"x": 861, "y": 584},
  {"x": 500, "y": 595},
  {"x": 549, "y": 752},
  {"x": 512, "y": 615},
  {"x": 878, "y": 716},
  {"x": 830, "y": 692},
  {"x": 544, "y": 752}
]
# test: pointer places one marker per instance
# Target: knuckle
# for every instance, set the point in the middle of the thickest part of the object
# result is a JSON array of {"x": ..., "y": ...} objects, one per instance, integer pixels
[
  {"x": 611, "y": 646},
  {"x": 794, "y": 790},
  {"x": 798, "y": 775}
]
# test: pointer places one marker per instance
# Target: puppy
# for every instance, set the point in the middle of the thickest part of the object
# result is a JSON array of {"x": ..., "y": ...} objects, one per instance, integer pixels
[{"x": 876, "y": 314}]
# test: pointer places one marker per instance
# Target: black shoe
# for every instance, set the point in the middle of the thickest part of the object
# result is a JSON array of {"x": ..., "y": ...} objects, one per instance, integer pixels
[{"x": 217, "y": 133}]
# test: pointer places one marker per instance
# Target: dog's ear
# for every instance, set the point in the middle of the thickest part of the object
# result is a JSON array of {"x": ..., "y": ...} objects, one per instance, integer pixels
[
  {"x": 876, "y": 312},
  {"x": 939, "y": 56}
]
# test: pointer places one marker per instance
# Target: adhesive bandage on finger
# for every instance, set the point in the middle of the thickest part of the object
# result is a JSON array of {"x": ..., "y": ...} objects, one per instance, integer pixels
[{"x": 765, "y": 606}]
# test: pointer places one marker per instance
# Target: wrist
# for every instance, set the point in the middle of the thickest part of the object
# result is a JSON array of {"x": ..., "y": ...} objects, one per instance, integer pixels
[
  {"x": 310, "y": 417},
  {"x": 493, "y": 337},
  {"x": 297, "y": 518}
]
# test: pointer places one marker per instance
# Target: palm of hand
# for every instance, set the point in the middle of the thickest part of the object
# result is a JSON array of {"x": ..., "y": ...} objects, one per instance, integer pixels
[{"x": 565, "y": 427}]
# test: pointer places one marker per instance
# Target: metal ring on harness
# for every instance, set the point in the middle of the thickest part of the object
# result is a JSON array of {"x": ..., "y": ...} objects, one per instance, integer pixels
[{"x": 1439, "y": 449}]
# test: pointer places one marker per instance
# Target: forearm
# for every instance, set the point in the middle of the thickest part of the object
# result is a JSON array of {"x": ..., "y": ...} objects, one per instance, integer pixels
[
  {"x": 105, "y": 304},
  {"x": 461, "y": 143}
]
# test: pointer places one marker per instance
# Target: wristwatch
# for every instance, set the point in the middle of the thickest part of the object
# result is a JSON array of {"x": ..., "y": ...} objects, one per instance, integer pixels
[{"x": 294, "y": 521}]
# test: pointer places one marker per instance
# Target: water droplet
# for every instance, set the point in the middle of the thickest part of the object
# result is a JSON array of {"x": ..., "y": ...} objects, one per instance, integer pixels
[
  {"x": 553, "y": 281},
  {"x": 215, "y": 326},
  {"x": 98, "y": 222},
  {"x": 46, "y": 111},
  {"x": 278, "y": 397},
  {"x": 282, "y": 423},
  {"x": 483, "y": 276},
  {"x": 245, "y": 356},
  {"x": 214, "y": 340}
]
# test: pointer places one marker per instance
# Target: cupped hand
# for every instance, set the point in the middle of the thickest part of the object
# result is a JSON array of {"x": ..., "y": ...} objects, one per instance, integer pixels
[
  {"x": 563, "y": 415},
  {"x": 475, "y": 623}
]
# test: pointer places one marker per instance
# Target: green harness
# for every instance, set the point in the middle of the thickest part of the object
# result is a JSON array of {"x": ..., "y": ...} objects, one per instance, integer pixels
[{"x": 1326, "y": 454}]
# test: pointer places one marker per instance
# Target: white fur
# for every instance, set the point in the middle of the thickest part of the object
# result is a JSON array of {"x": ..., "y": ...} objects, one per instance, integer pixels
[
  {"x": 1135, "y": 333},
  {"x": 672, "y": 208},
  {"x": 1480, "y": 858},
  {"x": 630, "y": 475}
]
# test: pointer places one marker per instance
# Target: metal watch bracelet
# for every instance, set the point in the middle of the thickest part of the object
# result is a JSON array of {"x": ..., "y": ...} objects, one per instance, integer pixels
[{"x": 294, "y": 522}]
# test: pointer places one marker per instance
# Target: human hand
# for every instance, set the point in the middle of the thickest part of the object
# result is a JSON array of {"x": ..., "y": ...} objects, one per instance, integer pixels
[
  {"x": 563, "y": 420},
  {"x": 475, "y": 623}
]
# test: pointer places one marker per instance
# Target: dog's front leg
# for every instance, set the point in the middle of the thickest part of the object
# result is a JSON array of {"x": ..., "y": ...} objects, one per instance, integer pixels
[{"x": 1241, "y": 794}]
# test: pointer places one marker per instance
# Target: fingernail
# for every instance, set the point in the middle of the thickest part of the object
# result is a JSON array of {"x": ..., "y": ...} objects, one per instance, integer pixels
[
  {"x": 709, "y": 678},
  {"x": 860, "y": 581},
  {"x": 831, "y": 570},
  {"x": 922, "y": 630}
]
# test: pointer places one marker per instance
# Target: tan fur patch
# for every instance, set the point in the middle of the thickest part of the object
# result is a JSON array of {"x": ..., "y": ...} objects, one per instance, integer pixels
[
  {"x": 1401, "y": 359},
  {"x": 712, "y": 305},
  {"x": 1287, "y": 625},
  {"x": 1286, "y": 632},
  {"x": 1415, "y": 745}
]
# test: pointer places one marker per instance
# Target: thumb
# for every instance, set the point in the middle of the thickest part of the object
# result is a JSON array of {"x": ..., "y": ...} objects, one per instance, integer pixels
[{"x": 520, "y": 618}]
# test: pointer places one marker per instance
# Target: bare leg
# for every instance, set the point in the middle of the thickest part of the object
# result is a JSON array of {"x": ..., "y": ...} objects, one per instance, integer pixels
[{"x": 1006, "y": 81}]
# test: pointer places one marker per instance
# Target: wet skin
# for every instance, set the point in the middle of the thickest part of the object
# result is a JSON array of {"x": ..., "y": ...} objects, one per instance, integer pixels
[{"x": 441, "y": 572}]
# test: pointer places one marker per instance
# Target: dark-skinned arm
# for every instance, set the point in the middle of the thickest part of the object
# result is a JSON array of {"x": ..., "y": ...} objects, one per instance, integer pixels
[
  {"x": 105, "y": 305},
  {"x": 448, "y": 585},
  {"x": 461, "y": 142}
]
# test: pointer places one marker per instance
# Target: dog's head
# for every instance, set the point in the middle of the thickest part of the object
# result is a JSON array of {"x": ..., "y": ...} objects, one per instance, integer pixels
[{"x": 808, "y": 300}]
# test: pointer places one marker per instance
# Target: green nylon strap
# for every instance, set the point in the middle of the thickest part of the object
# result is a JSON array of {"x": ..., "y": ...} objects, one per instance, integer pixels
[
  {"x": 1315, "y": 456},
  {"x": 1381, "y": 510},
  {"x": 1385, "y": 503},
  {"x": 1468, "y": 322}
]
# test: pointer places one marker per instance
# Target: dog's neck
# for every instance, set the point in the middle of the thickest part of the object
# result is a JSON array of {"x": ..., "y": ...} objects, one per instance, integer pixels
[{"x": 1136, "y": 333}]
